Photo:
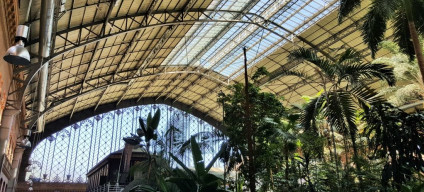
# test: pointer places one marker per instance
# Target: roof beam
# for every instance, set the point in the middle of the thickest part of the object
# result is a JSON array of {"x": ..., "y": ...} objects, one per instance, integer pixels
[
  {"x": 153, "y": 72},
  {"x": 33, "y": 69},
  {"x": 102, "y": 33},
  {"x": 220, "y": 34},
  {"x": 159, "y": 46},
  {"x": 54, "y": 105},
  {"x": 136, "y": 36}
]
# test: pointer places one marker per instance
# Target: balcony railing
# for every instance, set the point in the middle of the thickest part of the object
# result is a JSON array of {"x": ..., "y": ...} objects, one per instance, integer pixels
[{"x": 108, "y": 188}]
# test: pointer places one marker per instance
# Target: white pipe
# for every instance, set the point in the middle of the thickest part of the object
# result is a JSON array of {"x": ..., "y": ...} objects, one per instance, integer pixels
[{"x": 46, "y": 28}]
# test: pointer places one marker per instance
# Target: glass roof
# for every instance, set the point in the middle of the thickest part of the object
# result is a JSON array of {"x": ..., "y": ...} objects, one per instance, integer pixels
[{"x": 218, "y": 46}]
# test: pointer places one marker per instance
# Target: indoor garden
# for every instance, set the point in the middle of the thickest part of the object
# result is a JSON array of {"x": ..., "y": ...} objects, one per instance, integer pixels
[{"x": 361, "y": 130}]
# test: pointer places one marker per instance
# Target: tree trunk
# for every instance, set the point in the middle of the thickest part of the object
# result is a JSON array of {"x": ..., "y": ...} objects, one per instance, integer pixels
[
  {"x": 335, "y": 151},
  {"x": 287, "y": 166},
  {"x": 417, "y": 47},
  {"x": 249, "y": 130}
]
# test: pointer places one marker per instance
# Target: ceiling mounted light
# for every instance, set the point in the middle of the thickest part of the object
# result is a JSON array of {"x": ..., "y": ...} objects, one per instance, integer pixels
[{"x": 17, "y": 54}]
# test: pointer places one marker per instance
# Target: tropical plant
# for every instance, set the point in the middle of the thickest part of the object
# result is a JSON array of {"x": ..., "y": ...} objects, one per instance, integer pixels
[
  {"x": 206, "y": 139},
  {"x": 343, "y": 79},
  {"x": 148, "y": 130},
  {"x": 154, "y": 164},
  {"x": 198, "y": 180},
  {"x": 259, "y": 127},
  {"x": 150, "y": 175},
  {"x": 409, "y": 86},
  {"x": 397, "y": 137},
  {"x": 408, "y": 23}
]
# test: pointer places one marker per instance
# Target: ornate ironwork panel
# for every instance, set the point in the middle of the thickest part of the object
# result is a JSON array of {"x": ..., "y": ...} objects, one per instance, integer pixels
[{"x": 69, "y": 154}]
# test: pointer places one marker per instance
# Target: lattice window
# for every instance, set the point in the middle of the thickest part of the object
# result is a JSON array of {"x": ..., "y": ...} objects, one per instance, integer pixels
[{"x": 66, "y": 156}]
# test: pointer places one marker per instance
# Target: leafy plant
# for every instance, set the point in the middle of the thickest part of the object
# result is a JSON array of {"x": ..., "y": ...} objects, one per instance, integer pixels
[
  {"x": 265, "y": 112},
  {"x": 409, "y": 86},
  {"x": 148, "y": 130},
  {"x": 198, "y": 180},
  {"x": 343, "y": 80},
  {"x": 397, "y": 137},
  {"x": 408, "y": 23}
]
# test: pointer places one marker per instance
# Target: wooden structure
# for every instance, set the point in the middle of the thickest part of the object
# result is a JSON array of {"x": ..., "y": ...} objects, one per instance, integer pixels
[{"x": 106, "y": 171}]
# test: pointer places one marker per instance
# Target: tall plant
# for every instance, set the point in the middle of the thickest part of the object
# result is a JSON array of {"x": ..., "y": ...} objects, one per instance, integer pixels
[
  {"x": 397, "y": 137},
  {"x": 408, "y": 23},
  {"x": 343, "y": 80},
  {"x": 266, "y": 111}
]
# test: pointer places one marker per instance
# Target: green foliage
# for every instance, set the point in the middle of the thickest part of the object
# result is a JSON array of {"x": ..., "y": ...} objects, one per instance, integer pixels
[
  {"x": 398, "y": 137},
  {"x": 266, "y": 113},
  {"x": 261, "y": 71},
  {"x": 346, "y": 7},
  {"x": 150, "y": 127},
  {"x": 380, "y": 12},
  {"x": 338, "y": 102},
  {"x": 199, "y": 180},
  {"x": 409, "y": 87}
]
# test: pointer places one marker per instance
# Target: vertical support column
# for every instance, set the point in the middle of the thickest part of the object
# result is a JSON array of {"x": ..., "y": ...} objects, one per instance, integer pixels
[
  {"x": 8, "y": 119},
  {"x": 17, "y": 156}
]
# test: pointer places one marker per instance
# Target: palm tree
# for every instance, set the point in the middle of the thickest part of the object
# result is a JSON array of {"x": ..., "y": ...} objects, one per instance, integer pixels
[
  {"x": 408, "y": 23},
  {"x": 343, "y": 80},
  {"x": 397, "y": 137}
]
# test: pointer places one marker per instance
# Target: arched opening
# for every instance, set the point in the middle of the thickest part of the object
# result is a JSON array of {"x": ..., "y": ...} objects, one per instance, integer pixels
[{"x": 68, "y": 155}]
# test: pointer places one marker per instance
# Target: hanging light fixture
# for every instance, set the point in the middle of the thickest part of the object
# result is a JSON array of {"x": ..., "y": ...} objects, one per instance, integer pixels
[{"x": 18, "y": 54}]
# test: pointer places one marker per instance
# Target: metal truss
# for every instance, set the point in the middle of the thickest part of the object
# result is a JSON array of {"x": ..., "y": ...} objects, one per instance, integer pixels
[
  {"x": 32, "y": 120},
  {"x": 161, "y": 18}
]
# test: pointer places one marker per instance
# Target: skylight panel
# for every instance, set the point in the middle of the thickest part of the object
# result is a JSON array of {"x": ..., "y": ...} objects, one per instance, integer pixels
[{"x": 223, "y": 50}]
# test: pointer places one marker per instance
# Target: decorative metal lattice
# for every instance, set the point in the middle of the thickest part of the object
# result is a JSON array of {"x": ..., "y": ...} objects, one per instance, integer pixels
[{"x": 69, "y": 154}]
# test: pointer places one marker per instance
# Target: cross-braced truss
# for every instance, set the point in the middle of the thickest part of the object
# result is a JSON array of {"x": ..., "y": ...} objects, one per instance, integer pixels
[{"x": 182, "y": 51}]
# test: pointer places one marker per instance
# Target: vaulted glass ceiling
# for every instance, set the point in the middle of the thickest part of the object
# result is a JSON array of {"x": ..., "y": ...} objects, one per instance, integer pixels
[
  {"x": 181, "y": 53},
  {"x": 217, "y": 46}
]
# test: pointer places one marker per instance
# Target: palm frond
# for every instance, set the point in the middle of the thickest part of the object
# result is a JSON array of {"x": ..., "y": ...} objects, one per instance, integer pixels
[
  {"x": 294, "y": 73},
  {"x": 346, "y": 7},
  {"x": 375, "y": 24},
  {"x": 349, "y": 56},
  {"x": 310, "y": 111},
  {"x": 217, "y": 155},
  {"x": 349, "y": 109},
  {"x": 402, "y": 35},
  {"x": 182, "y": 165},
  {"x": 311, "y": 56},
  {"x": 155, "y": 120},
  {"x": 282, "y": 72},
  {"x": 417, "y": 12},
  {"x": 142, "y": 125},
  {"x": 336, "y": 111},
  {"x": 366, "y": 95},
  {"x": 206, "y": 138},
  {"x": 356, "y": 73}
]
